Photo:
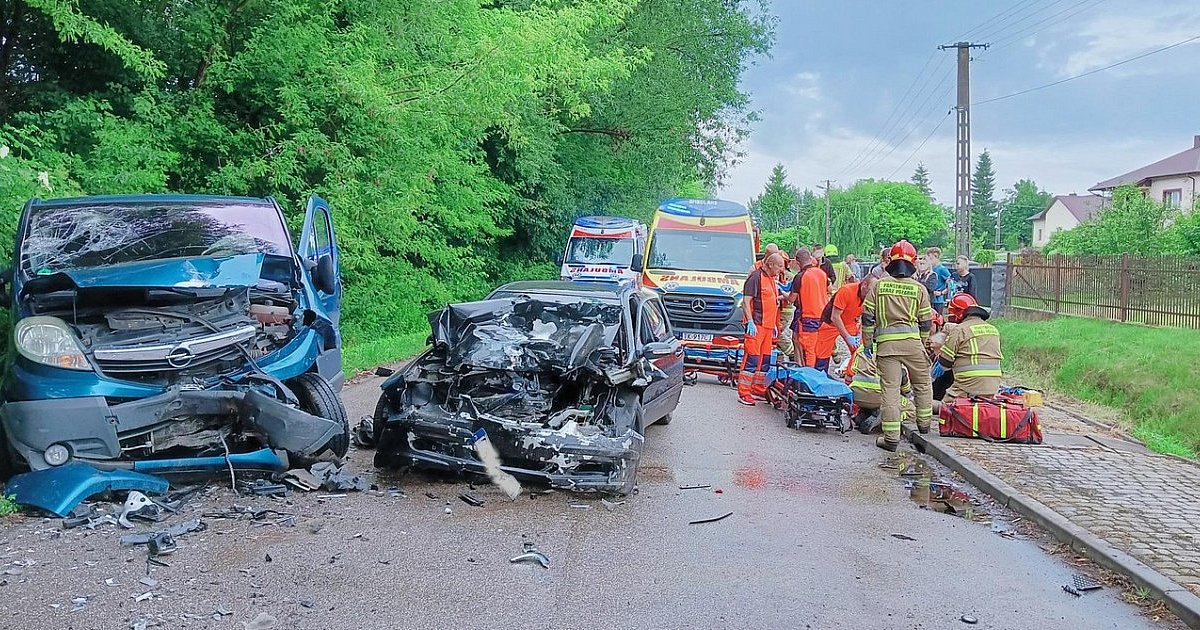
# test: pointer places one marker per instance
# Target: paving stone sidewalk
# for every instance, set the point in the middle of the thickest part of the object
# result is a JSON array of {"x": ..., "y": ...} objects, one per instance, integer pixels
[{"x": 1145, "y": 504}]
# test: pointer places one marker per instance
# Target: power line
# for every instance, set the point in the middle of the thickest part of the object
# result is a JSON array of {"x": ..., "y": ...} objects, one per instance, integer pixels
[
  {"x": 999, "y": 32},
  {"x": 1011, "y": 38},
  {"x": 978, "y": 27},
  {"x": 910, "y": 113},
  {"x": 886, "y": 127},
  {"x": 904, "y": 138},
  {"x": 1089, "y": 72},
  {"x": 920, "y": 146}
]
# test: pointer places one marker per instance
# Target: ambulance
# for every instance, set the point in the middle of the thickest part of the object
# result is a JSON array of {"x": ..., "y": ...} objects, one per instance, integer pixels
[
  {"x": 604, "y": 249},
  {"x": 699, "y": 254}
]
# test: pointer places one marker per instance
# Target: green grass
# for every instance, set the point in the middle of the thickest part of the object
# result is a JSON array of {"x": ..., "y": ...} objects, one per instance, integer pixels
[
  {"x": 366, "y": 355},
  {"x": 1149, "y": 374},
  {"x": 8, "y": 505}
]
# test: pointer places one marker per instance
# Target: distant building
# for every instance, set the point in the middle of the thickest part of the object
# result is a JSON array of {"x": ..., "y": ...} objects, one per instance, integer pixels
[
  {"x": 1171, "y": 180},
  {"x": 1063, "y": 213}
]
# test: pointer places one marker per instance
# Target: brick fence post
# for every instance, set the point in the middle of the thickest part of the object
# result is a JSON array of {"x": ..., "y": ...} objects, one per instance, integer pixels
[{"x": 999, "y": 288}]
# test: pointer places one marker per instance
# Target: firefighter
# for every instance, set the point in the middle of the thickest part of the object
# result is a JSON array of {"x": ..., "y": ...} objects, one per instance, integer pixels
[
  {"x": 863, "y": 378},
  {"x": 971, "y": 353},
  {"x": 760, "y": 305},
  {"x": 896, "y": 321},
  {"x": 809, "y": 291},
  {"x": 840, "y": 320}
]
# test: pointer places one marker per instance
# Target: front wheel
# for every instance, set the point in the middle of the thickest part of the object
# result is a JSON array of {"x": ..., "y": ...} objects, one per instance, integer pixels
[
  {"x": 665, "y": 420},
  {"x": 319, "y": 398}
]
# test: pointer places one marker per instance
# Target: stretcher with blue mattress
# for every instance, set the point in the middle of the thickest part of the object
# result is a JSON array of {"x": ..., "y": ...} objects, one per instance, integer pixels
[{"x": 808, "y": 397}]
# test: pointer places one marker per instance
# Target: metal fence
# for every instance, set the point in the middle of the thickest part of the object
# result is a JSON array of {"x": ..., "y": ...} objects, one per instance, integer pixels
[{"x": 1157, "y": 291}]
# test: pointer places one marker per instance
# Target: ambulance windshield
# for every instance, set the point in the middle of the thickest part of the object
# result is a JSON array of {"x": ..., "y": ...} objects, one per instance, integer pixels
[
  {"x": 584, "y": 250},
  {"x": 701, "y": 250}
]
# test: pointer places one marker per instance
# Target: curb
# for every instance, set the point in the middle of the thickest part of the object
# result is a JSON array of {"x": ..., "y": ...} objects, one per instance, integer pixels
[{"x": 1180, "y": 600}]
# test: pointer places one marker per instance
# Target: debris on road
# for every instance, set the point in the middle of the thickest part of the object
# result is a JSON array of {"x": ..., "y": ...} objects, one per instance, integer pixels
[
  {"x": 1085, "y": 583},
  {"x": 59, "y": 490},
  {"x": 384, "y": 371},
  {"x": 164, "y": 537},
  {"x": 611, "y": 505},
  {"x": 263, "y": 488},
  {"x": 364, "y": 432},
  {"x": 471, "y": 499},
  {"x": 969, "y": 620},
  {"x": 580, "y": 506},
  {"x": 336, "y": 478},
  {"x": 302, "y": 479},
  {"x": 263, "y": 621},
  {"x": 530, "y": 553},
  {"x": 696, "y": 486},
  {"x": 711, "y": 520},
  {"x": 902, "y": 537}
]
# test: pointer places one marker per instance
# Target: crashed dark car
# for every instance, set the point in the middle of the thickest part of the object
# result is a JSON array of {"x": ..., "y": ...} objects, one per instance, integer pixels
[
  {"x": 563, "y": 377},
  {"x": 164, "y": 331}
]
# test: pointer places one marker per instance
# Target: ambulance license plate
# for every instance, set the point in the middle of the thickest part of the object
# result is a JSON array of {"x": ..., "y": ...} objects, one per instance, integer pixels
[{"x": 700, "y": 337}]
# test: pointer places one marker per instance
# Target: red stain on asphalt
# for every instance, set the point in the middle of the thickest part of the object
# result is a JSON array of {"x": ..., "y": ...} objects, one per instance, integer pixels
[{"x": 751, "y": 477}]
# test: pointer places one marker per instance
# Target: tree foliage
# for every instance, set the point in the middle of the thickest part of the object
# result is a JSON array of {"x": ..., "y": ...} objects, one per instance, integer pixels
[
  {"x": 1131, "y": 223},
  {"x": 454, "y": 139},
  {"x": 886, "y": 212},
  {"x": 1020, "y": 202},
  {"x": 983, "y": 200},
  {"x": 920, "y": 179},
  {"x": 779, "y": 202}
]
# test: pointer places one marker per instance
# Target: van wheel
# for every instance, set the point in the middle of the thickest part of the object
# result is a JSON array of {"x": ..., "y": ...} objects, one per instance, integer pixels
[
  {"x": 318, "y": 397},
  {"x": 665, "y": 420}
]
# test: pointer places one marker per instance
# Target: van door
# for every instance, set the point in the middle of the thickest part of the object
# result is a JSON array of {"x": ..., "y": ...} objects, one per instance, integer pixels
[{"x": 319, "y": 254}]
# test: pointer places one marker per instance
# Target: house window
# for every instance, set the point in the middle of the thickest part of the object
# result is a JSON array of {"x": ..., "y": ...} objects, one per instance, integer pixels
[
  {"x": 1039, "y": 238},
  {"x": 1173, "y": 197}
]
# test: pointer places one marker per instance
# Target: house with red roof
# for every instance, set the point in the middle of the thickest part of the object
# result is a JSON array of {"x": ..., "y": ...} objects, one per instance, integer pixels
[
  {"x": 1170, "y": 181},
  {"x": 1063, "y": 213}
]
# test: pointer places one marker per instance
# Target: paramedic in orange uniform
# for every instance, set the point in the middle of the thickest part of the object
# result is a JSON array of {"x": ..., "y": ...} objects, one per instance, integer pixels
[
  {"x": 840, "y": 319},
  {"x": 760, "y": 305},
  {"x": 810, "y": 292}
]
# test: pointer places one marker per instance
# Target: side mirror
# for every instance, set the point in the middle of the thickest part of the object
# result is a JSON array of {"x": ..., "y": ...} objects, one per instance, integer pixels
[
  {"x": 638, "y": 262},
  {"x": 658, "y": 350},
  {"x": 324, "y": 277},
  {"x": 558, "y": 260}
]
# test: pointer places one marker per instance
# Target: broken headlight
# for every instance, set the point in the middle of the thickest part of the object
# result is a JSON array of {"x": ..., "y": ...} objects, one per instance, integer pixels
[{"x": 48, "y": 340}]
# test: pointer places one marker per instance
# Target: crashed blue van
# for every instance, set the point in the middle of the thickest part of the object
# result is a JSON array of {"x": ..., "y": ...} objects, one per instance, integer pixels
[{"x": 156, "y": 328}]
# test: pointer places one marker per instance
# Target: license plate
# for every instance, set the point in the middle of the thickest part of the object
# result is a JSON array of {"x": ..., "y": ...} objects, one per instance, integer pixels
[{"x": 700, "y": 337}]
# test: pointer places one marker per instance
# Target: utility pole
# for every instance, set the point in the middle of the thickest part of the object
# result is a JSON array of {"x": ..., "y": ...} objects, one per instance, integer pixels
[
  {"x": 962, "y": 188},
  {"x": 999, "y": 209},
  {"x": 828, "y": 184}
]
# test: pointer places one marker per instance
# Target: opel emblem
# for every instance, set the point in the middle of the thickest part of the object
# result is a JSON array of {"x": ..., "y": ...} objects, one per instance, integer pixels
[
  {"x": 698, "y": 305},
  {"x": 180, "y": 356}
]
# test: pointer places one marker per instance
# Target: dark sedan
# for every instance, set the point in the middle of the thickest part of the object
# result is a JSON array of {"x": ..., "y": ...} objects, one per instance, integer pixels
[{"x": 563, "y": 377}]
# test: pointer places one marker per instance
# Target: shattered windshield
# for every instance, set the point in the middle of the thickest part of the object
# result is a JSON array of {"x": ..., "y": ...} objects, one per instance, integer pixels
[
  {"x": 69, "y": 237},
  {"x": 594, "y": 251},
  {"x": 527, "y": 334}
]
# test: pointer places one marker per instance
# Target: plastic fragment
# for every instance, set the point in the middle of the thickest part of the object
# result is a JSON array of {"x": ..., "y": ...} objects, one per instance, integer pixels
[{"x": 711, "y": 520}]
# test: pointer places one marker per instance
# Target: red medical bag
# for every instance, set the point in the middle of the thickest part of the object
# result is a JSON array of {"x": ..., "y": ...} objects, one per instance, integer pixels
[{"x": 991, "y": 419}]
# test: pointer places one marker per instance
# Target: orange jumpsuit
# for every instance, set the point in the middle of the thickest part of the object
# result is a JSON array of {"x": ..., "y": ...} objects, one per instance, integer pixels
[
  {"x": 851, "y": 305},
  {"x": 811, "y": 286},
  {"x": 763, "y": 295}
]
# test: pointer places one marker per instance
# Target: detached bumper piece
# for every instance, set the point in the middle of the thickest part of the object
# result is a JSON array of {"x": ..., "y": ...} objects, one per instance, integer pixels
[
  {"x": 92, "y": 430},
  {"x": 565, "y": 458},
  {"x": 809, "y": 398},
  {"x": 59, "y": 490}
]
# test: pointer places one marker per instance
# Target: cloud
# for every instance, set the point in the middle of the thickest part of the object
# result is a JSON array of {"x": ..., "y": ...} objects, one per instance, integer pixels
[
  {"x": 804, "y": 85},
  {"x": 1109, "y": 38}
]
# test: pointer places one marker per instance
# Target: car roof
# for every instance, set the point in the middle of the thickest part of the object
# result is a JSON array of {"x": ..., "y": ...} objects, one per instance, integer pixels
[
  {"x": 598, "y": 290},
  {"x": 164, "y": 199}
]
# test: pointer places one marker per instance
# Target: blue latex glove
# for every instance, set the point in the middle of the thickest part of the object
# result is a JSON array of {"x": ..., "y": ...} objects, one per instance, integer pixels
[
  {"x": 854, "y": 342},
  {"x": 783, "y": 288},
  {"x": 751, "y": 329},
  {"x": 869, "y": 351},
  {"x": 938, "y": 370}
]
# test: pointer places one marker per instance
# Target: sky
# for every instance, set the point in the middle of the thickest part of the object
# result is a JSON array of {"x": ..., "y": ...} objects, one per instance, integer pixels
[{"x": 853, "y": 88}]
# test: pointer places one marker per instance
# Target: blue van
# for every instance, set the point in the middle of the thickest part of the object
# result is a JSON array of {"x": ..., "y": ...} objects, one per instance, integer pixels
[{"x": 171, "y": 327}]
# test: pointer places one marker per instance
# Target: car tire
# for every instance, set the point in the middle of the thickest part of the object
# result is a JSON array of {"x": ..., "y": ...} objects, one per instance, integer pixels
[
  {"x": 665, "y": 420},
  {"x": 319, "y": 398},
  {"x": 379, "y": 418}
]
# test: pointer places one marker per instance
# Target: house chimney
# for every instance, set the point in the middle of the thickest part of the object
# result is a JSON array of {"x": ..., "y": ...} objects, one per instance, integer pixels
[
  {"x": 1196, "y": 142},
  {"x": 1072, "y": 194}
]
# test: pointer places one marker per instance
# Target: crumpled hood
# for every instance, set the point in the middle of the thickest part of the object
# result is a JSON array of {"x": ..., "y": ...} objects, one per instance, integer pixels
[{"x": 183, "y": 273}]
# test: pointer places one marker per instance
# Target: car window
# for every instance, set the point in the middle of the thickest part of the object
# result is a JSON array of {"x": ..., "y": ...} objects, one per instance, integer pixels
[
  {"x": 653, "y": 325},
  {"x": 664, "y": 331}
]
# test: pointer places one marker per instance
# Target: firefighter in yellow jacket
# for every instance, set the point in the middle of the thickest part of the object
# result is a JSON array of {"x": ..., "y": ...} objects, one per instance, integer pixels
[
  {"x": 972, "y": 351},
  {"x": 863, "y": 379},
  {"x": 897, "y": 319}
]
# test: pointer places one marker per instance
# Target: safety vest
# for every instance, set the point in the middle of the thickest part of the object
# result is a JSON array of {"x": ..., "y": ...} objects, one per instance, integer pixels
[
  {"x": 897, "y": 310},
  {"x": 974, "y": 348}
]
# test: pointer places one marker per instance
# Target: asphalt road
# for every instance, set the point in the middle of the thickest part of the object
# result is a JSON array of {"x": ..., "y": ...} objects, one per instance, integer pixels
[{"x": 810, "y": 545}]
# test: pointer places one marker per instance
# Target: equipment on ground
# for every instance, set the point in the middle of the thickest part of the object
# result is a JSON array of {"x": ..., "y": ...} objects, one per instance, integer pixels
[{"x": 991, "y": 419}]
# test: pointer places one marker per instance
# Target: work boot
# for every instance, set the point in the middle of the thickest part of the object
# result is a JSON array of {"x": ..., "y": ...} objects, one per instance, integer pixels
[
  {"x": 923, "y": 430},
  {"x": 886, "y": 444},
  {"x": 747, "y": 399}
]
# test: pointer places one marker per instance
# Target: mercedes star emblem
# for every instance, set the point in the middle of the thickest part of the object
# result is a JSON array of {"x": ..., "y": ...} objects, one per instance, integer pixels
[{"x": 699, "y": 305}]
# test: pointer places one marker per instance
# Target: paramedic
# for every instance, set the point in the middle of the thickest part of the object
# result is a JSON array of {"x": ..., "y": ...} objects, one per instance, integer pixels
[
  {"x": 896, "y": 321},
  {"x": 972, "y": 351},
  {"x": 810, "y": 292},
  {"x": 840, "y": 319},
  {"x": 761, "y": 309}
]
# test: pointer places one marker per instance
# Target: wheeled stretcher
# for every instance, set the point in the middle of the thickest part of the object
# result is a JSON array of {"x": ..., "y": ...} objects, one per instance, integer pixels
[
  {"x": 721, "y": 357},
  {"x": 808, "y": 397}
]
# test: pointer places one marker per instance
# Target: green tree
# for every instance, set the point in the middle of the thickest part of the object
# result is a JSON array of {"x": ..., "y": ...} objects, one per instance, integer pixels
[
  {"x": 1020, "y": 202},
  {"x": 920, "y": 179},
  {"x": 776, "y": 207},
  {"x": 1131, "y": 223},
  {"x": 892, "y": 211},
  {"x": 983, "y": 200}
]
